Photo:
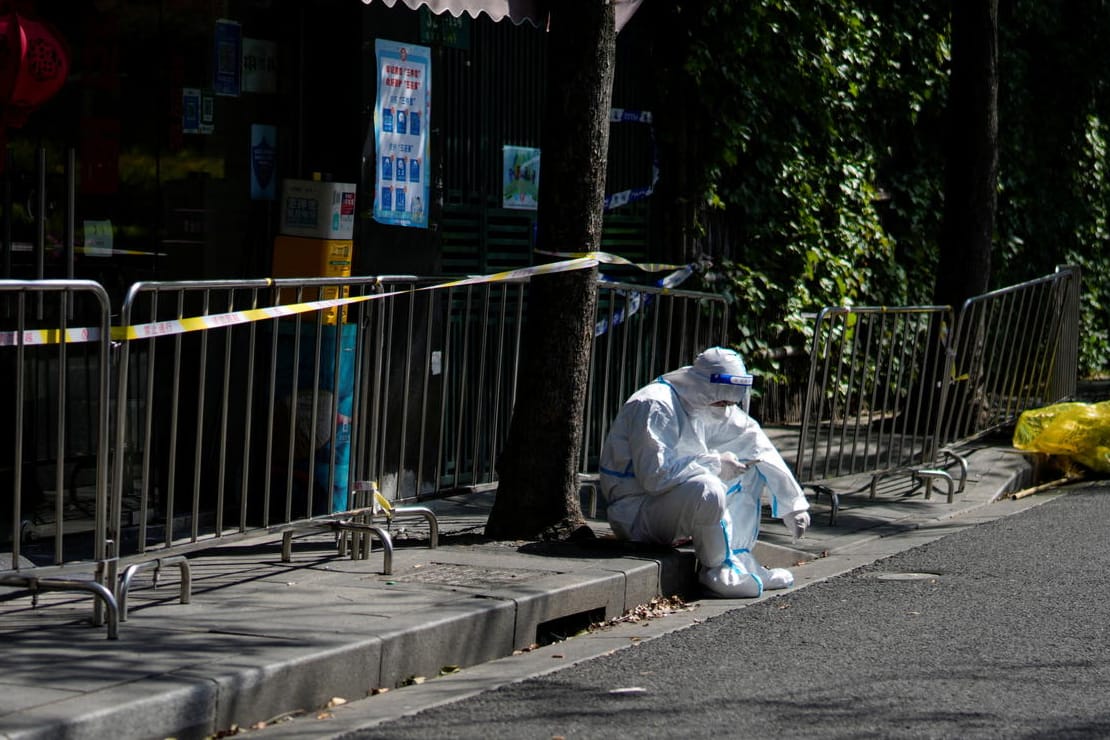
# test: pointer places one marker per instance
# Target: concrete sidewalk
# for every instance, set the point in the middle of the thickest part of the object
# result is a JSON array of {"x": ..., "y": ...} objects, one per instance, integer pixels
[{"x": 261, "y": 638}]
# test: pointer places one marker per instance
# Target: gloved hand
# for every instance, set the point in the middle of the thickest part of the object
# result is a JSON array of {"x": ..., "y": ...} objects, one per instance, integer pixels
[
  {"x": 797, "y": 522},
  {"x": 731, "y": 467}
]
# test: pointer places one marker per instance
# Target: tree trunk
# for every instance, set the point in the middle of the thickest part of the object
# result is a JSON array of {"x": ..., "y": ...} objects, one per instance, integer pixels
[
  {"x": 537, "y": 493},
  {"x": 971, "y": 179}
]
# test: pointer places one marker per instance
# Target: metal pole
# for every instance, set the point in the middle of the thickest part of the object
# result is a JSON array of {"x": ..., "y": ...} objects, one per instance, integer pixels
[{"x": 40, "y": 227}]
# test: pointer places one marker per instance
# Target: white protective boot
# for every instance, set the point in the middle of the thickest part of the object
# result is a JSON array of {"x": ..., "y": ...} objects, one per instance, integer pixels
[
  {"x": 730, "y": 582},
  {"x": 773, "y": 579}
]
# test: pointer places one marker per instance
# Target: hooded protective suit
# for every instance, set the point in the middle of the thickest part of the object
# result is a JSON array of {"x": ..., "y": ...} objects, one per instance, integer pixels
[{"x": 684, "y": 460}]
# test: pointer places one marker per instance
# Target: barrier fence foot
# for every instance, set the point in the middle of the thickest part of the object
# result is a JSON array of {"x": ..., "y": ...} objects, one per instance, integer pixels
[
  {"x": 359, "y": 542},
  {"x": 429, "y": 516},
  {"x": 100, "y": 592},
  {"x": 186, "y": 589},
  {"x": 932, "y": 475}
]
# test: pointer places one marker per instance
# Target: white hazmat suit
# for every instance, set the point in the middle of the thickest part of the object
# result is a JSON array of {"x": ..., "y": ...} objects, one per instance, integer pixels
[{"x": 684, "y": 460}]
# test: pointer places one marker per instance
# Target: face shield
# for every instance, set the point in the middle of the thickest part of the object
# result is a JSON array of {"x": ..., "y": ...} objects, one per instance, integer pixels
[
  {"x": 738, "y": 389},
  {"x": 717, "y": 378}
]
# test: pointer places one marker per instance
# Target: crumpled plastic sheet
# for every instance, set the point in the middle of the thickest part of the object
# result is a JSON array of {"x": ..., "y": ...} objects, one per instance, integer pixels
[{"x": 1079, "y": 431}]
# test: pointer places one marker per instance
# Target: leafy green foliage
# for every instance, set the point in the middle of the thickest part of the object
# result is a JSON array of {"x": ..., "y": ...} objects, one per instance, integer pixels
[
  {"x": 814, "y": 123},
  {"x": 810, "y": 136},
  {"x": 1054, "y": 190}
]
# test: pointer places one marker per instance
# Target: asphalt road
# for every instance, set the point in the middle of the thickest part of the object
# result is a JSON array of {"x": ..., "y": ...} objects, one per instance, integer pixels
[{"x": 1000, "y": 630}]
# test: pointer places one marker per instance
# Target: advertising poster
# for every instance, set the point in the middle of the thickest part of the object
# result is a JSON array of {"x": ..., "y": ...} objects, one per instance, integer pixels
[
  {"x": 263, "y": 158},
  {"x": 401, "y": 115},
  {"x": 229, "y": 58},
  {"x": 521, "y": 187}
]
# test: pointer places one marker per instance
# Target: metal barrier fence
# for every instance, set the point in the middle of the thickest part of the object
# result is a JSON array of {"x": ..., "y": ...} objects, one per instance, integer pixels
[
  {"x": 441, "y": 384},
  {"x": 261, "y": 408},
  {"x": 54, "y": 349},
  {"x": 1013, "y": 349},
  {"x": 874, "y": 395},
  {"x": 236, "y": 406},
  {"x": 896, "y": 391}
]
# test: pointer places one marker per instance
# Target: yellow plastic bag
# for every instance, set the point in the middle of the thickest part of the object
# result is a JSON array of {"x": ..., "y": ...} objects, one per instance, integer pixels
[{"x": 1080, "y": 431}]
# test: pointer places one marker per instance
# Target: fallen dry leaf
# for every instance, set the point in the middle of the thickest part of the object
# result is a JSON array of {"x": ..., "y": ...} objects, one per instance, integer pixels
[
  {"x": 336, "y": 701},
  {"x": 660, "y": 606}
]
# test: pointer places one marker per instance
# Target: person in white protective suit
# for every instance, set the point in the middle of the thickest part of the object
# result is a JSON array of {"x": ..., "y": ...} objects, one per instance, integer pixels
[{"x": 684, "y": 460}]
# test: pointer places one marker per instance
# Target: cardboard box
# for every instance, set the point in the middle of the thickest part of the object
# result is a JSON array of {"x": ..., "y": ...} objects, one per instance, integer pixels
[
  {"x": 296, "y": 256},
  {"x": 321, "y": 210}
]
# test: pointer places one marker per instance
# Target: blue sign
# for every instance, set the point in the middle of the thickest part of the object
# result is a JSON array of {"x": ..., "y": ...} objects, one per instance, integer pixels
[
  {"x": 400, "y": 133},
  {"x": 263, "y": 158},
  {"x": 229, "y": 58}
]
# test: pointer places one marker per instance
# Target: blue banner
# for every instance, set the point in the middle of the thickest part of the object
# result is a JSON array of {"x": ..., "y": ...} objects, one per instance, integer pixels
[{"x": 401, "y": 121}]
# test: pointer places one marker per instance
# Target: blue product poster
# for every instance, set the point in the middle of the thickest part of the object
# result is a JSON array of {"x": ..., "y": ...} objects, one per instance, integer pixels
[
  {"x": 401, "y": 127},
  {"x": 387, "y": 168},
  {"x": 414, "y": 123},
  {"x": 401, "y": 169},
  {"x": 387, "y": 120},
  {"x": 400, "y": 204},
  {"x": 414, "y": 170},
  {"x": 387, "y": 199}
]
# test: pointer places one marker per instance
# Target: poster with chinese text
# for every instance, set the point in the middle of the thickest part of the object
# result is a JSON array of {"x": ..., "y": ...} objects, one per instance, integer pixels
[{"x": 401, "y": 115}]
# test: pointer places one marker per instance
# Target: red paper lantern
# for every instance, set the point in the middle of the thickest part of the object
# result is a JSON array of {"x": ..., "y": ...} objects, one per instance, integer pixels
[{"x": 34, "y": 63}]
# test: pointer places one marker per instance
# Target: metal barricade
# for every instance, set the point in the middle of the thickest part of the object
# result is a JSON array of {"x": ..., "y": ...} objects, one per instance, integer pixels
[
  {"x": 54, "y": 494},
  {"x": 236, "y": 403},
  {"x": 442, "y": 380},
  {"x": 874, "y": 399},
  {"x": 1013, "y": 349},
  {"x": 640, "y": 333}
]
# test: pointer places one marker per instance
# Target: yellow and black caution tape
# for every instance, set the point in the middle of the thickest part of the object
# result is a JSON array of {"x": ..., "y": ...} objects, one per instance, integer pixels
[
  {"x": 220, "y": 320},
  {"x": 170, "y": 327},
  {"x": 39, "y": 337}
]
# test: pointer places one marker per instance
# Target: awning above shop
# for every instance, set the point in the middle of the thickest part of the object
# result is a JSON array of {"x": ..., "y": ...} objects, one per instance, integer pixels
[{"x": 518, "y": 11}]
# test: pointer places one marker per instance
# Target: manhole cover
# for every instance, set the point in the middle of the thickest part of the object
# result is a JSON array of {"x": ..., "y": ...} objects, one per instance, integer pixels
[
  {"x": 470, "y": 576},
  {"x": 909, "y": 576}
]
